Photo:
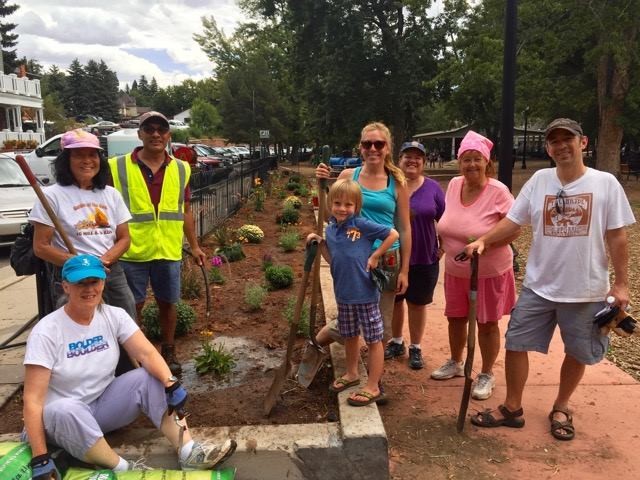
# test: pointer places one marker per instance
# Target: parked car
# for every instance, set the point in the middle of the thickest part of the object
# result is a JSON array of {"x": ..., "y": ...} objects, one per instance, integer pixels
[
  {"x": 104, "y": 126},
  {"x": 207, "y": 151},
  {"x": 177, "y": 125},
  {"x": 16, "y": 201},
  {"x": 241, "y": 152},
  {"x": 196, "y": 156},
  {"x": 224, "y": 152}
]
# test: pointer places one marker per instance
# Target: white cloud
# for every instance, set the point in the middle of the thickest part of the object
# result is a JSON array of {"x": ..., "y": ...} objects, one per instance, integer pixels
[{"x": 131, "y": 36}]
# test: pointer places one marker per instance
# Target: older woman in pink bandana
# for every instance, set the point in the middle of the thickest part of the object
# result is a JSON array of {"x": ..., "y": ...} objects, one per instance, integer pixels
[{"x": 475, "y": 202}]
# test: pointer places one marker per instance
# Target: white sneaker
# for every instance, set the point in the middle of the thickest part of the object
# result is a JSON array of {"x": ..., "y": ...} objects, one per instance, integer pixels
[
  {"x": 140, "y": 464},
  {"x": 206, "y": 455},
  {"x": 483, "y": 387},
  {"x": 450, "y": 369}
]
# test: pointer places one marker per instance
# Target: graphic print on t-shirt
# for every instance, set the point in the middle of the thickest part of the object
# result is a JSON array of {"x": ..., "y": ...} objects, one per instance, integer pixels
[
  {"x": 353, "y": 233},
  {"x": 84, "y": 347},
  {"x": 95, "y": 222},
  {"x": 573, "y": 219}
]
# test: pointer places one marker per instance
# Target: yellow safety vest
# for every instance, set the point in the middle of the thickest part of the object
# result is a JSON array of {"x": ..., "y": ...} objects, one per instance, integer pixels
[{"x": 153, "y": 236}]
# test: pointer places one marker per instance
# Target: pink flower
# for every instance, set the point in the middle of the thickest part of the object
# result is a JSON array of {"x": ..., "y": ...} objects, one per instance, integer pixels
[{"x": 216, "y": 261}]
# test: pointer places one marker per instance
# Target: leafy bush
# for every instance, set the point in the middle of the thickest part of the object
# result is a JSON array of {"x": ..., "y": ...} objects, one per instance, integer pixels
[
  {"x": 190, "y": 287},
  {"x": 216, "y": 277},
  {"x": 150, "y": 313},
  {"x": 303, "y": 323},
  {"x": 292, "y": 202},
  {"x": 254, "y": 295},
  {"x": 232, "y": 253},
  {"x": 279, "y": 276},
  {"x": 289, "y": 216},
  {"x": 252, "y": 233},
  {"x": 267, "y": 261},
  {"x": 302, "y": 190},
  {"x": 223, "y": 235},
  {"x": 289, "y": 240},
  {"x": 214, "y": 359}
]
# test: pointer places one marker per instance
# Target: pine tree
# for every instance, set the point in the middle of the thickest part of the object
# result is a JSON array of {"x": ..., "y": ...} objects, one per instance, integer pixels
[
  {"x": 75, "y": 97},
  {"x": 9, "y": 40}
]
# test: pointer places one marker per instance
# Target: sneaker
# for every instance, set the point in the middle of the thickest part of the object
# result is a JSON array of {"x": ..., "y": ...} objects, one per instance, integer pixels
[
  {"x": 393, "y": 349},
  {"x": 206, "y": 455},
  {"x": 483, "y": 387},
  {"x": 449, "y": 370},
  {"x": 140, "y": 464},
  {"x": 415, "y": 358},
  {"x": 169, "y": 354}
]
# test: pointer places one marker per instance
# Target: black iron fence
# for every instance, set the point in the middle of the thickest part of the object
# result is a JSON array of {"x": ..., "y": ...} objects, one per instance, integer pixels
[{"x": 217, "y": 194}]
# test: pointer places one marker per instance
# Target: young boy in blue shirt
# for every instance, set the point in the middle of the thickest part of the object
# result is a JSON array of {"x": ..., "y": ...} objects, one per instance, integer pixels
[{"x": 348, "y": 250}]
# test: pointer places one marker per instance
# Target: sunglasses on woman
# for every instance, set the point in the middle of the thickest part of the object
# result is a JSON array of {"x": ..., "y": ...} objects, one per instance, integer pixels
[
  {"x": 367, "y": 144},
  {"x": 151, "y": 129}
]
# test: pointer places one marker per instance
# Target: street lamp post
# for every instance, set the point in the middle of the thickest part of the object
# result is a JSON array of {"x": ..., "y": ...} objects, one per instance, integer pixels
[{"x": 524, "y": 143}]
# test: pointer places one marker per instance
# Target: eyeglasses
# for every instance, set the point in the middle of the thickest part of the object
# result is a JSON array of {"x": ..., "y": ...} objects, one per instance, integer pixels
[
  {"x": 559, "y": 202},
  {"x": 151, "y": 129},
  {"x": 367, "y": 144}
]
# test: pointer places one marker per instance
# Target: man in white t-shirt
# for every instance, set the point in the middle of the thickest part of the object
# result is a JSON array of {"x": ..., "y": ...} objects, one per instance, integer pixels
[{"x": 575, "y": 213}]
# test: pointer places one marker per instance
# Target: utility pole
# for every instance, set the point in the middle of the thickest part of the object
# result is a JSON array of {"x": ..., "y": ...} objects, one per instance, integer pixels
[{"x": 508, "y": 93}]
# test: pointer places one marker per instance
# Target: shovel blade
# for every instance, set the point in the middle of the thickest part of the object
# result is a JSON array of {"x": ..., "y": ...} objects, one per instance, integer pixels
[
  {"x": 312, "y": 360},
  {"x": 276, "y": 387}
]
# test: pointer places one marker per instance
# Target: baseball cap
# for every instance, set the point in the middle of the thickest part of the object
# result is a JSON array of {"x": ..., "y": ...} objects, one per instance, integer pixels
[
  {"x": 413, "y": 144},
  {"x": 79, "y": 138},
  {"x": 83, "y": 266},
  {"x": 475, "y": 141},
  {"x": 565, "y": 124},
  {"x": 153, "y": 115}
]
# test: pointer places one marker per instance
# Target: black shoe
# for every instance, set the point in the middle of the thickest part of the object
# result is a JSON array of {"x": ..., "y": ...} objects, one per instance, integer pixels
[
  {"x": 415, "y": 358},
  {"x": 393, "y": 349},
  {"x": 169, "y": 355}
]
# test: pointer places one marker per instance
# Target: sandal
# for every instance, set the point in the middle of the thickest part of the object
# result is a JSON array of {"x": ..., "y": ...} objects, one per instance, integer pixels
[
  {"x": 343, "y": 384},
  {"x": 509, "y": 419},
  {"x": 370, "y": 398},
  {"x": 562, "y": 430}
]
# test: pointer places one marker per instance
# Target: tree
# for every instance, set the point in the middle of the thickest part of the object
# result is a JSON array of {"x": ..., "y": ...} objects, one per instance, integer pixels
[
  {"x": 75, "y": 97},
  {"x": 204, "y": 117},
  {"x": 9, "y": 40}
]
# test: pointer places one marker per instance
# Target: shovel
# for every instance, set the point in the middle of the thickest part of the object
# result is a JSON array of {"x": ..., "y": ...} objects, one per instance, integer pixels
[
  {"x": 471, "y": 340},
  {"x": 285, "y": 368},
  {"x": 314, "y": 355}
]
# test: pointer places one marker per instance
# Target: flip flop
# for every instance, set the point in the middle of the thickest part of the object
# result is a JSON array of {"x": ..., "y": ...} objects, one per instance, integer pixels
[
  {"x": 343, "y": 384},
  {"x": 557, "y": 426},
  {"x": 511, "y": 419},
  {"x": 370, "y": 398}
]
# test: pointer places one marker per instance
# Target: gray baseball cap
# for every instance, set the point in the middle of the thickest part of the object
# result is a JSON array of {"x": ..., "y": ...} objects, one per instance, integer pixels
[{"x": 565, "y": 124}]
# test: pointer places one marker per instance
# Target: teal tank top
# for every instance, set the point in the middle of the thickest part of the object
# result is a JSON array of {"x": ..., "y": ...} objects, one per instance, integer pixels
[{"x": 379, "y": 205}]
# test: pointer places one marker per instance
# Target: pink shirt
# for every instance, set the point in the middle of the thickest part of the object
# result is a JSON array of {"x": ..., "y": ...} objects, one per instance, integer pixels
[{"x": 462, "y": 223}]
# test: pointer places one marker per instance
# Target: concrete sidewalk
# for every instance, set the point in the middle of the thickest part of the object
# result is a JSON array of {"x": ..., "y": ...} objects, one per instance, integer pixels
[
  {"x": 19, "y": 305},
  {"x": 604, "y": 407}
]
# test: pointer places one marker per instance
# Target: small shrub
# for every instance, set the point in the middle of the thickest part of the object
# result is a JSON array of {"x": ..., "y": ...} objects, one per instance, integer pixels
[
  {"x": 150, "y": 313},
  {"x": 214, "y": 359},
  {"x": 267, "y": 261},
  {"x": 303, "y": 323},
  {"x": 279, "y": 276},
  {"x": 292, "y": 202},
  {"x": 252, "y": 233},
  {"x": 190, "y": 287},
  {"x": 289, "y": 240},
  {"x": 289, "y": 216},
  {"x": 302, "y": 191},
  {"x": 216, "y": 277},
  {"x": 254, "y": 295},
  {"x": 223, "y": 235},
  {"x": 232, "y": 253},
  {"x": 258, "y": 195}
]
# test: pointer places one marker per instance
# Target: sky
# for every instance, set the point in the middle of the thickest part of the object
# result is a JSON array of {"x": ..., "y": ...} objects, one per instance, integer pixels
[{"x": 133, "y": 37}]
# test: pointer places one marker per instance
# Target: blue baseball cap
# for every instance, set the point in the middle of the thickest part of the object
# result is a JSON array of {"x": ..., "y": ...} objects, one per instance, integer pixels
[
  {"x": 413, "y": 144},
  {"x": 80, "y": 267}
]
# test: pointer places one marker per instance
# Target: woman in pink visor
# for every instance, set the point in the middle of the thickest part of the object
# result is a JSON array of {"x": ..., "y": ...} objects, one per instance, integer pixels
[{"x": 475, "y": 202}]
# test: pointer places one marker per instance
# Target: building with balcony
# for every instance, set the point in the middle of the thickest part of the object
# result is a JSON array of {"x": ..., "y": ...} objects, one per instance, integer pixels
[{"x": 16, "y": 94}]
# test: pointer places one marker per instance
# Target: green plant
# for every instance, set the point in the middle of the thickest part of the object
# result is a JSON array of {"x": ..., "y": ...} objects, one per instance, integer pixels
[
  {"x": 214, "y": 359},
  {"x": 252, "y": 233},
  {"x": 289, "y": 216},
  {"x": 233, "y": 253},
  {"x": 292, "y": 202},
  {"x": 267, "y": 261},
  {"x": 289, "y": 240},
  {"x": 254, "y": 295},
  {"x": 279, "y": 276},
  {"x": 303, "y": 322},
  {"x": 150, "y": 313},
  {"x": 216, "y": 277},
  {"x": 223, "y": 235},
  {"x": 257, "y": 195},
  {"x": 190, "y": 287},
  {"x": 302, "y": 190}
]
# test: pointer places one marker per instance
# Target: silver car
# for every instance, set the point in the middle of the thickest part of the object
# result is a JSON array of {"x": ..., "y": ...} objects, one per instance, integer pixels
[{"x": 16, "y": 200}]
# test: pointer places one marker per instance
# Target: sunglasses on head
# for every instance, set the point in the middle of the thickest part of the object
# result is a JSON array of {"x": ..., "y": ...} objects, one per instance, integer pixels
[
  {"x": 151, "y": 129},
  {"x": 367, "y": 144}
]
